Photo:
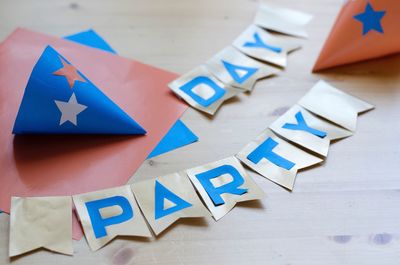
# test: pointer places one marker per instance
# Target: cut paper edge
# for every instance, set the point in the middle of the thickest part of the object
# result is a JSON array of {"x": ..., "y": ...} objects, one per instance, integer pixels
[{"x": 40, "y": 248}]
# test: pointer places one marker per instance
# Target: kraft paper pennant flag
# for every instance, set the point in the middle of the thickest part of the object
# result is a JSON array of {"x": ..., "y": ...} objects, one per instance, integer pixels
[
  {"x": 222, "y": 184},
  {"x": 106, "y": 214},
  {"x": 305, "y": 129},
  {"x": 276, "y": 159},
  {"x": 262, "y": 45},
  {"x": 202, "y": 90},
  {"x": 59, "y": 99},
  {"x": 283, "y": 20},
  {"x": 236, "y": 69},
  {"x": 166, "y": 199},
  {"x": 41, "y": 222},
  {"x": 179, "y": 135},
  {"x": 47, "y": 165},
  {"x": 363, "y": 30},
  {"x": 334, "y": 105}
]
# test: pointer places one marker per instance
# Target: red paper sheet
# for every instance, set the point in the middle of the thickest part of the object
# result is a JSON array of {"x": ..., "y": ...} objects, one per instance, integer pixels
[{"x": 67, "y": 165}]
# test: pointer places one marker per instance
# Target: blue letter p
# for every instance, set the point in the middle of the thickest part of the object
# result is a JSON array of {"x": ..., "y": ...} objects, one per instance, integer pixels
[{"x": 99, "y": 223}]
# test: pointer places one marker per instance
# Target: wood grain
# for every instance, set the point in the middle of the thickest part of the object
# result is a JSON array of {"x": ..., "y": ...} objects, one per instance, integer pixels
[{"x": 345, "y": 211}]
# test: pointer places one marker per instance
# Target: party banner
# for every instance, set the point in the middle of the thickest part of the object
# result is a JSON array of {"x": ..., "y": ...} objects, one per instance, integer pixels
[
  {"x": 106, "y": 214},
  {"x": 293, "y": 142}
]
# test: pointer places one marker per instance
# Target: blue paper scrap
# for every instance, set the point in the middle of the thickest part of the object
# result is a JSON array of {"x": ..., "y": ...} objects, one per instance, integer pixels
[
  {"x": 92, "y": 39},
  {"x": 179, "y": 135}
]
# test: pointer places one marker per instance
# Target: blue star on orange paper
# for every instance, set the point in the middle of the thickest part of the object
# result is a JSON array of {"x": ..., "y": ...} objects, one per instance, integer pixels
[{"x": 371, "y": 19}]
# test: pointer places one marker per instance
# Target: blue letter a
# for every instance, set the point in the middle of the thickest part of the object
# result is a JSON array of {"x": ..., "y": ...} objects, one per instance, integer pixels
[
  {"x": 233, "y": 70},
  {"x": 98, "y": 223},
  {"x": 162, "y": 193}
]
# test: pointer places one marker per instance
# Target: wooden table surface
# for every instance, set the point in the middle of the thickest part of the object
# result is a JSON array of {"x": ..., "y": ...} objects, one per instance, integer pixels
[{"x": 345, "y": 211}]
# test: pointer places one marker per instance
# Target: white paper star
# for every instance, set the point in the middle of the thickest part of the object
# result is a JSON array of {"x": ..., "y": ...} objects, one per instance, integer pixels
[{"x": 69, "y": 110}]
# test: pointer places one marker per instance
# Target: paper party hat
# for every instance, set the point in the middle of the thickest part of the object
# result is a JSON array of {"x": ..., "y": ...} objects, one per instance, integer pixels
[
  {"x": 363, "y": 30},
  {"x": 59, "y": 99}
]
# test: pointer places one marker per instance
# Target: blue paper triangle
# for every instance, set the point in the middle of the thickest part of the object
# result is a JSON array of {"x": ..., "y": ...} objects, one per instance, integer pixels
[
  {"x": 179, "y": 135},
  {"x": 92, "y": 39},
  {"x": 48, "y": 99},
  {"x": 161, "y": 193},
  {"x": 233, "y": 71}
]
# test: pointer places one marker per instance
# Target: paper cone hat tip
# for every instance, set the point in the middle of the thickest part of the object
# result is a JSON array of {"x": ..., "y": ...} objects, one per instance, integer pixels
[
  {"x": 59, "y": 99},
  {"x": 362, "y": 31},
  {"x": 317, "y": 66}
]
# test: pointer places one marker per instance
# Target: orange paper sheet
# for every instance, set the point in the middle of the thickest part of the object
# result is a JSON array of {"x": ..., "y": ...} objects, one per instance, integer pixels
[{"x": 67, "y": 165}]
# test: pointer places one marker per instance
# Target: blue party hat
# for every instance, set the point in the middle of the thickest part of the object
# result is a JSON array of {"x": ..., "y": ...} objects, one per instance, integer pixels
[{"x": 59, "y": 99}]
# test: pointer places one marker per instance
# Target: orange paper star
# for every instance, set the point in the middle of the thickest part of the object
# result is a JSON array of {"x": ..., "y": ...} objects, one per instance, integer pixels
[{"x": 69, "y": 72}]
